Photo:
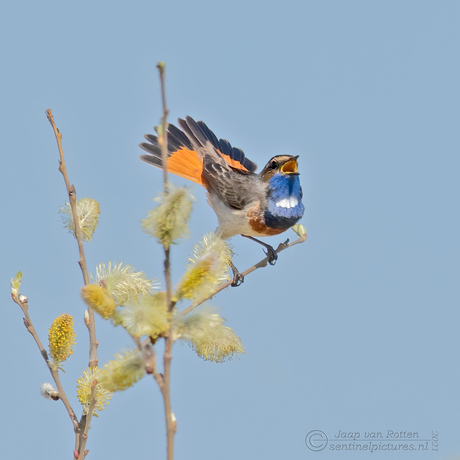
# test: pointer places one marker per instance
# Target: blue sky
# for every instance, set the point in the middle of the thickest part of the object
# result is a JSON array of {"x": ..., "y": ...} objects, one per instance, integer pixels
[{"x": 357, "y": 329}]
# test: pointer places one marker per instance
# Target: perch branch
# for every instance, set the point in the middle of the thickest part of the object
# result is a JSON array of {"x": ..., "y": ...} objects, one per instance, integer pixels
[{"x": 260, "y": 264}]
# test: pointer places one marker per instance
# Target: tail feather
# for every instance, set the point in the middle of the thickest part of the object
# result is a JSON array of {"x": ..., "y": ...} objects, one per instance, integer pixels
[
  {"x": 186, "y": 163},
  {"x": 193, "y": 132},
  {"x": 152, "y": 160},
  {"x": 179, "y": 137},
  {"x": 184, "y": 148}
]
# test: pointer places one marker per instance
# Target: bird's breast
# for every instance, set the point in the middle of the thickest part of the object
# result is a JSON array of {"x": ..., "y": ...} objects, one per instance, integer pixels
[
  {"x": 284, "y": 205},
  {"x": 257, "y": 221}
]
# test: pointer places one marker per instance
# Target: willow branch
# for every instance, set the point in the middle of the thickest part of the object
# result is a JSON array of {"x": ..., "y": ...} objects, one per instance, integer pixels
[
  {"x": 163, "y": 135},
  {"x": 170, "y": 430},
  {"x": 165, "y": 382},
  {"x": 54, "y": 372},
  {"x": 260, "y": 264},
  {"x": 93, "y": 361}
]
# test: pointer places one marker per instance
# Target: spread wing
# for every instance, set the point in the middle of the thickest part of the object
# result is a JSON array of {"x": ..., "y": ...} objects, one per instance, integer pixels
[{"x": 234, "y": 187}]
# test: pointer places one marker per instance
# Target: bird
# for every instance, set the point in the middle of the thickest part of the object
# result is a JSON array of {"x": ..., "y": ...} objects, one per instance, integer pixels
[{"x": 246, "y": 203}]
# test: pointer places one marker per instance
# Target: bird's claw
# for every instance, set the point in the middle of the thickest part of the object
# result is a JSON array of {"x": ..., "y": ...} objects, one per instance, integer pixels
[
  {"x": 271, "y": 255},
  {"x": 238, "y": 278}
]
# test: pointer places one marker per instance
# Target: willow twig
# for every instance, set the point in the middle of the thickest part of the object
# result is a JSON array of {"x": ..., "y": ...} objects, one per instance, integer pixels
[
  {"x": 163, "y": 134},
  {"x": 164, "y": 383},
  {"x": 86, "y": 422},
  {"x": 93, "y": 361},
  {"x": 81, "y": 435},
  {"x": 24, "y": 304}
]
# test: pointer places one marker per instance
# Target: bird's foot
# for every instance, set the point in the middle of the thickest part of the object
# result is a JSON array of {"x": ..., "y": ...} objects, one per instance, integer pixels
[
  {"x": 271, "y": 255},
  {"x": 238, "y": 278}
]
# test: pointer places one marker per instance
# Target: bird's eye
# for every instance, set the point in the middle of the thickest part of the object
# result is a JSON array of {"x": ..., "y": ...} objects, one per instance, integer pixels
[{"x": 273, "y": 165}]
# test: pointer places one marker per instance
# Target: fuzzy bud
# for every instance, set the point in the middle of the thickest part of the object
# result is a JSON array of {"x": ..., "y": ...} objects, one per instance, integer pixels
[
  {"x": 15, "y": 284},
  {"x": 168, "y": 221},
  {"x": 148, "y": 354},
  {"x": 88, "y": 215},
  {"x": 300, "y": 230},
  {"x": 47, "y": 391}
]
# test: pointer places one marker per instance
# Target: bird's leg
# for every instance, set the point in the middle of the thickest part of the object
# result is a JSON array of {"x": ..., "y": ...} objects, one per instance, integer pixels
[
  {"x": 271, "y": 253},
  {"x": 238, "y": 278}
]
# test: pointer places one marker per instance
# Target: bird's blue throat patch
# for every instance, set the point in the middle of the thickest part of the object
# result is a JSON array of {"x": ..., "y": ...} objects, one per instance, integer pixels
[{"x": 284, "y": 201}]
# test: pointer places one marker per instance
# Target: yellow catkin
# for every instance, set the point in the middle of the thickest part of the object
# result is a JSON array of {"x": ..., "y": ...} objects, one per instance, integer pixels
[
  {"x": 205, "y": 331},
  {"x": 168, "y": 221},
  {"x": 61, "y": 338},
  {"x": 88, "y": 211},
  {"x": 84, "y": 385},
  {"x": 199, "y": 276},
  {"x": 147, "y": 315},
  {"x": 123, "y": 282},
  {"x": 124, "y": 371},
  {"x": 98, "y": 298}
]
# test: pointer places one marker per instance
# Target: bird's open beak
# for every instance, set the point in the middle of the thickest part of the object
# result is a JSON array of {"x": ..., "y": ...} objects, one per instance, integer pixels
[{"x": 290, "y": 167}]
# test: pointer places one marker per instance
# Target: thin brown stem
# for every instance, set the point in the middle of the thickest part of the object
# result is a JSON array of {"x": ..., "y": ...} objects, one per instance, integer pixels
[
  {"x": 170, "y": 430},
  {"x": 163, "y": 138},
  {"x": 165, "y": 382},
  {"x": 260, "y": 264},
  {"x": 86, "y": 422},
  {"x": 81, "y": 431},
  {"x": 93, "y": 361},
  {"x": 54, "y": 372}
]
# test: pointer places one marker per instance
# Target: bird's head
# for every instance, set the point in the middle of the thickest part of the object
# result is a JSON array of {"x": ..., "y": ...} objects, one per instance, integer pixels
[{"x": 280, "y": 164}]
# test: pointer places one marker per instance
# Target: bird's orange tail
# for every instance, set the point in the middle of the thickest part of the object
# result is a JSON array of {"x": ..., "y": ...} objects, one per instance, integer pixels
[{"x": 186, "y": 163}]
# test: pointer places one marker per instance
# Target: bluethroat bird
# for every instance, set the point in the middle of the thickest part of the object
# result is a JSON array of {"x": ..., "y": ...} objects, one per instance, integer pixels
[{"x": 246, "y": 203}]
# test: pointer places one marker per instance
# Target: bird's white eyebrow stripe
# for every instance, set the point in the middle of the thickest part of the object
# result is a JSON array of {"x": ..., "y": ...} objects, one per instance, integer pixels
[{"x": 290, "y": 202}]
